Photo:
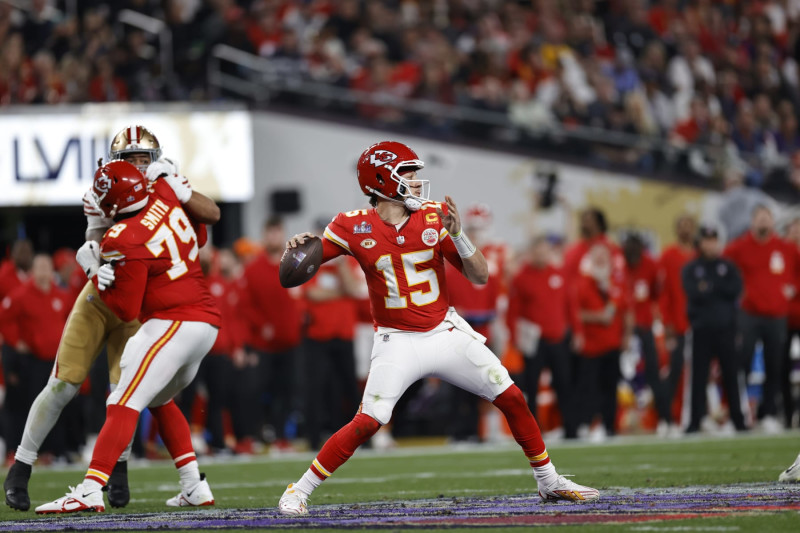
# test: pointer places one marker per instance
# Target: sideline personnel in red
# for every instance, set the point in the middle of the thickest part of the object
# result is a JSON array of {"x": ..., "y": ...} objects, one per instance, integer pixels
[
  {"x": 767, "y": 264},
  {"x": 537, "y": 322},
  {"x": 36, "y": 311}
]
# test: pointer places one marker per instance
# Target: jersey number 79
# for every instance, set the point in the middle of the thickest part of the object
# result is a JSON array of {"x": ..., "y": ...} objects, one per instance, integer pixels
[{"x": 164, "y": 237}]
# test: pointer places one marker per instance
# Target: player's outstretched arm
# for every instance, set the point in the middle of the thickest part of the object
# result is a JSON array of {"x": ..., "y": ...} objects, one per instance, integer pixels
[
  {"x": 199, "y": 206},
  {"x": 474, "y": 266},
  {"x": 202, "y": 208}
]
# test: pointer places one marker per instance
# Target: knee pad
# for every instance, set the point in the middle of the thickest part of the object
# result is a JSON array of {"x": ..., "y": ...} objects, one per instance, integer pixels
[
  {"x": 60, "y": 391},
  {"x": 378, "y": 410}
]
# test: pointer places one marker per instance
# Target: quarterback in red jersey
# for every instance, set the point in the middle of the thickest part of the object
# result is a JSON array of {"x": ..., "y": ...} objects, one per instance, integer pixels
[
  {"x": 152, "y": 274},
  {"x": 401, "y": 245}
]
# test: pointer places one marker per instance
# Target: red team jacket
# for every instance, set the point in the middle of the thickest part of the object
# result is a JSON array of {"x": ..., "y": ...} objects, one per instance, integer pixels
[
  {"x": 575, "y": 268},
  {"x": 673, "y": 298},
  {"x": 643, "y": 289},
  {"x": 37, "y": 316},
  {"x": 272, "y": 314},
  {"x": 767, "y": 269},
  {"x": 404, "y": 267},
  {"x": 10, "y": 279},
  {"x": 601, "y": 338},
  {"x": 478, "y": 303},
  {"x": 330, "y": 319},
  {"x": 227, "y": 296},
  {"x": 157, "y": 272},
  {"x": 540, "y": 296}
]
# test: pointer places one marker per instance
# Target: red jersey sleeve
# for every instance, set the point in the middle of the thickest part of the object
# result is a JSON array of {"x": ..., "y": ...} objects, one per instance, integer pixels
[
  {"x": 126, "y": 294},
  {"x": 450, "y": 253},
  {"x": 331, "y": 250},
  {"x": 448, "y": 247},
  {"x": 335, "y": 238}
]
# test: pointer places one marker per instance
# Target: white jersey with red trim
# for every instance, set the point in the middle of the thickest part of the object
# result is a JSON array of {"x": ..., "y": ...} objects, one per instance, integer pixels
[{"x": 404, "y": 264}]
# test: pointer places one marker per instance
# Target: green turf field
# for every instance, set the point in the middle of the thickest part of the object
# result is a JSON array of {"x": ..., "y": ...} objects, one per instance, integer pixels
[{"x": 485, "y": 471}]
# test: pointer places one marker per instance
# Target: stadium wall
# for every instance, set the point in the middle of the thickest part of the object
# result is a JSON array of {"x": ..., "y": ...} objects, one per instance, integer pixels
[
  {"x": 261, "y": 159},
  {"x": 317, "y": 159}
]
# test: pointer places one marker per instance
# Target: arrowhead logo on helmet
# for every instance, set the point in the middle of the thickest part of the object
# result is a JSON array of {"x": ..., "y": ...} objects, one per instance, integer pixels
[
  {"x": 379, "y": 174},
  {"x": 381, "y": 157},
  {"x": 102, "y": 184}
]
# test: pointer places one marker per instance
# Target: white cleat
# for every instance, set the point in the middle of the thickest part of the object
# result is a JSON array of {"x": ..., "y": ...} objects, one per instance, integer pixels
[
  {"x": 791, "y": 474},
  {"x": 565, "y": 490},
  {"x": 77, "y": 499},
  {"x": 200, "y": 495},
  {"x": 293, "y": 502}
]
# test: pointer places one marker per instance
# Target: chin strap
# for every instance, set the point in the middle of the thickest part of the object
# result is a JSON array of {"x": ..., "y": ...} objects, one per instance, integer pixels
[{"x": 412, "y": 204}]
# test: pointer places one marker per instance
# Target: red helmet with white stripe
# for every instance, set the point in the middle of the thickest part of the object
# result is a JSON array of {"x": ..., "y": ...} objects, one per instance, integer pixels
[
  {"x": 135, "y": 139},
  {"x": 379, "y": 169},
  {"x": 119, "y": 187}
]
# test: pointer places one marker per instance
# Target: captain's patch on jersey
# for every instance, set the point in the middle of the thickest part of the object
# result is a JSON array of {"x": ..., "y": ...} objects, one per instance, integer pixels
[
  {"x": 430, "y": 236},
  {"x": 368, "y": 243},
  {"x": 431, "y": 218}
]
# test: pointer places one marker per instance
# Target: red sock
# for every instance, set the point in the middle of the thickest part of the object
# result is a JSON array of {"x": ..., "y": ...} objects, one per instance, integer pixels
[
  {"x": 117, "y": 432},
  {"x": 523, "y": 425},
  {"x": 341, "y": 446},
  {"x": 175, "y": 433}
]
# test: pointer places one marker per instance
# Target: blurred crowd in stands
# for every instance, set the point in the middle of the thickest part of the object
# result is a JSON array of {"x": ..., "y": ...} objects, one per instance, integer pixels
[
  {"x": 603, "y": 333},
  {"x": 698, "y": 87}
]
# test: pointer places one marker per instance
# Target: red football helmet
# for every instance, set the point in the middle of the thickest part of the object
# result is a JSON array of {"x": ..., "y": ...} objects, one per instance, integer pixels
[
  {"x": 379, "y": 169},
  {"x": 119, "y": 187}
]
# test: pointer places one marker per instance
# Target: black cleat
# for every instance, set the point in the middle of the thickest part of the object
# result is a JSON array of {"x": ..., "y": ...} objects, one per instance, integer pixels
[
  {"x": 16, "y": 486},
  {"x": 118, "y": 492}
]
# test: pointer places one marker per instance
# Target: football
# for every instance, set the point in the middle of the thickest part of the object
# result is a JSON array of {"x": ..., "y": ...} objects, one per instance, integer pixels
[{"x": 300, "y": 264}]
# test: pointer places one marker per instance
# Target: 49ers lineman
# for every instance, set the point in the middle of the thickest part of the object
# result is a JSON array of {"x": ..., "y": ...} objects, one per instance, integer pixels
[
  {"x": 401, "y": 245},
  {"x": 92, "y": 324},
  {"x": 152, "y": 273}
]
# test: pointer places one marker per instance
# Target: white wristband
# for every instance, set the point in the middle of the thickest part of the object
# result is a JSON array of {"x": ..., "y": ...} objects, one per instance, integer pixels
[{"x": 464, "y": 246}]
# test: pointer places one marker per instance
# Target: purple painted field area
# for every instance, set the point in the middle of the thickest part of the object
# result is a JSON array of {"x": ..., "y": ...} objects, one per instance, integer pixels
[{"x": 615, "y": 506}]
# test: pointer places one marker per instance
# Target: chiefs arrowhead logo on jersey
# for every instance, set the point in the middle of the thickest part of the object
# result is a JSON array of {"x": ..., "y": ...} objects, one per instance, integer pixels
[{"x": 381, "y": 157}]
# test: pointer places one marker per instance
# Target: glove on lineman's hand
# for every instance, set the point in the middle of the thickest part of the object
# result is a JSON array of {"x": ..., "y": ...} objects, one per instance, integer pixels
[
  {"x": 159, "y": 169},
  {"x": 90, "y": 207},
  {"x": 180, "y": 185},
  {"x": 88, "y": 257},
  {"x": 105, "y": 276}
]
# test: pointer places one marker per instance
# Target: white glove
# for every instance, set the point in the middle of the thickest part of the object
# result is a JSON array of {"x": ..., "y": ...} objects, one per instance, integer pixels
[
  {"x": 95, "y": 217},
  {"x": 180, "y": 185},
  {"x": 159, "y": 169},
  {"x": 105, "y": 276},
  {"x": 90, "y": 207},
  {"x": 88, "y": 257}
]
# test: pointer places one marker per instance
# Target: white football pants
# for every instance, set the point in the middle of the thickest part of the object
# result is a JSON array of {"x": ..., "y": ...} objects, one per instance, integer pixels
[
  {"x": 160, "y": 360},
  {"x": 452, "y": 352}
]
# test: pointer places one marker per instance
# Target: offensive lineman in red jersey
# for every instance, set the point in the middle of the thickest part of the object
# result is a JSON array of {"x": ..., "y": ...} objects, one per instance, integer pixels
[
  {"x": 401, "y": 245},
  {"x": 155, "y": 276}
]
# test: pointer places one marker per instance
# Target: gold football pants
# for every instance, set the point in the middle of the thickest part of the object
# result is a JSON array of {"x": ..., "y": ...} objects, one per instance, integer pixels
[{"x": 90, "y": 325}]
